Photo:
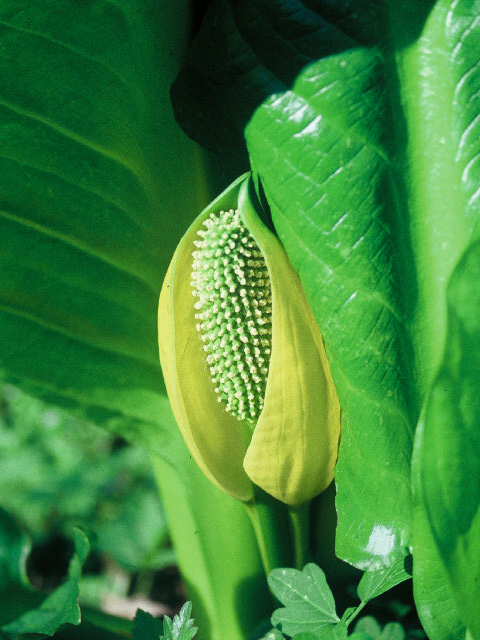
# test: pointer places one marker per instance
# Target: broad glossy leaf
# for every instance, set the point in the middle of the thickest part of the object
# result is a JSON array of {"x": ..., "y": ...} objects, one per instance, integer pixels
[
  {"x": 447, "y": 461},
  {"x": 328, "y": 175},
  {"x": 432, "y": 592},
  {"x": 23, "y": 609},
  {"x": 90, "y": 208}
]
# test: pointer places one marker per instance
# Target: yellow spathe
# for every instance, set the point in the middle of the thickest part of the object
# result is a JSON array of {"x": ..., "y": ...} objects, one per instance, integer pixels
[{"x": 291, "y": 450}]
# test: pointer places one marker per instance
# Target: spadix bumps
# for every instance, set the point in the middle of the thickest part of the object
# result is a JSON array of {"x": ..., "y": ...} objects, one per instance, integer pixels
[
  {"x": 231, "y": 281},
  {"x": 243, "y": 360}
]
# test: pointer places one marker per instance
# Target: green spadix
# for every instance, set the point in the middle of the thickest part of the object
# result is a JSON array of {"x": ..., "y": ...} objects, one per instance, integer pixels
[{"x": 243, "y": 359}]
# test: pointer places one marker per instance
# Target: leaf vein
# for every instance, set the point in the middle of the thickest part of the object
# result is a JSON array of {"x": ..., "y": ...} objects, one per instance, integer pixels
[
  {"x": 72, "y": 135},
  {"x": 71, "y": 48},
  {"x": 75, "y": 337},
  {"x": 25, "y": 222},
  {"x": 342, "y": 131},
  {"x": 131, "y": 216}
]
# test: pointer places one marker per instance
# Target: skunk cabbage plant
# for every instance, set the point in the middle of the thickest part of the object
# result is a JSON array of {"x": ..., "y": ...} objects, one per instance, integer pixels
[{"x": 360, "y": 123}]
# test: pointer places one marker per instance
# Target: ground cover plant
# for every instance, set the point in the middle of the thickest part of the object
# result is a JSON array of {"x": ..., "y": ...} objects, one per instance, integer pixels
[
  {"x": 60, "y": 472},
  {"x": 348, "y": 131}
]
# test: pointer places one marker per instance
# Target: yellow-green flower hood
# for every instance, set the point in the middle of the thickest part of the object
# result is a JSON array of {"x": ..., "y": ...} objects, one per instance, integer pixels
[{"x": 290, "y": 451}]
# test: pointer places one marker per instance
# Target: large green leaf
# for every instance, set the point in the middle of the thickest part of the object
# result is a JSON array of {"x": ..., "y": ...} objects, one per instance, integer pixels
[
  {"x": 341, "y": 244},
  {"x": 431, "y": 588},
  {"x": 90, "y": 205},
  {"x": 447, "y": 463}
]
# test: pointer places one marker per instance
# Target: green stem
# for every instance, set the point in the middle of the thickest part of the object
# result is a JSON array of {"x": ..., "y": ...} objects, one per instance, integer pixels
[
  {"x": 269, "y": 521},
  {"x": 355, "y": 613},
  {"x": 300, "y": 525},
  {"x": 216, "y": 550}
]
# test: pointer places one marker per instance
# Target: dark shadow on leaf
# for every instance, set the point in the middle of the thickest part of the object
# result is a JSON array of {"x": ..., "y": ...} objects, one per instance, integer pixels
[
  {"x": 254, "y": 590},
  {"x": 247, "y": 50}
]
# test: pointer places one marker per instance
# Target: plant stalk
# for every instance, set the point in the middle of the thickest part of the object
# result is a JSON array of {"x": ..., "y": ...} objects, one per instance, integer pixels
[
  {"x": 300, "y": 526},
  {"x": 216, "y": 550},
  {"x": 269, "y": 521}
]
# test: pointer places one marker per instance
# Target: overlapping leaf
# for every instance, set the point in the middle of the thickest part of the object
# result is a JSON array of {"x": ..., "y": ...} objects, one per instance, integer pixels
[
  {"x": 97, "y": 184},
  {"x": 356, "y": 175},
  {"x": 433, "y": 595},
  {"x": 447, "y": 469},
  {"x": 445, "y": 464},
  {"x": 329, "y": 173},
  {"x": 90, "y": 211}
]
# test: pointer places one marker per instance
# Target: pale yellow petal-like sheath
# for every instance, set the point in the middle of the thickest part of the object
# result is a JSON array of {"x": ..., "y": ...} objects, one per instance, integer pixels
[
  {"x": 216, "y": 439},
  {"x": 291, "y": 450}
]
